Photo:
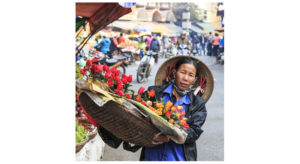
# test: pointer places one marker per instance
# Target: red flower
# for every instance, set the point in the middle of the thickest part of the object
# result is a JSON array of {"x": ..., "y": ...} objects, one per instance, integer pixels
[
  {"x": 138, "y": 98},
  {"x": 117, "y": 91},
  {"x": 117, "y": 72},
  {"x": 107, "y": 75},
  {"x": 118, "y": 80},
  {"x": 141, "y": 90},
  {"x": 110, "y": 83},
  {"x": 128, "y": 96},
  {"x": 85, "y": 68},
  {"x": 113, "y": 70},
  {"x": 186, "y": 126},
  {"x": 120, "y": 87},
  {"x": 82, "y": 71},
  {"x": 98, "y": 68},
  {"x": 124, "y": 80},
  {"x": 144, "y": 103},
  {"x": 106, "y": 68},
  {"x": 151, "y": 93},
  {"x": 124, "y": 76},
  {"x": 168, "y": 114},
  {"x": 89, "y": 62},
  {"x": 112, "y": 76},
  {"x": 121, "y": 93},
  {"x": 129, "y": 78},
  {"x": 95, "y": 60}
]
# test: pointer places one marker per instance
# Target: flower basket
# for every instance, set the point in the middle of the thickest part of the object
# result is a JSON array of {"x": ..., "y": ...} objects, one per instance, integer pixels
[
  {"x": 124, "y": 121},
  {"x": 203, "y": 86}
]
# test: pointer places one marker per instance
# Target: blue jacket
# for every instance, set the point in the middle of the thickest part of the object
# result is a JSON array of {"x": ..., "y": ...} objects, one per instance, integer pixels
[
  {"x": 154, "y": 45},
  {"x": 105, "y": 43}
]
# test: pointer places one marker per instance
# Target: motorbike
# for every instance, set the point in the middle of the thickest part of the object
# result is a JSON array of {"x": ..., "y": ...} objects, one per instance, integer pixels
[
  {"x": 145, "y": 66},
  {"x": 194, "y": 51},
  {"x": 183, "y": 49}
]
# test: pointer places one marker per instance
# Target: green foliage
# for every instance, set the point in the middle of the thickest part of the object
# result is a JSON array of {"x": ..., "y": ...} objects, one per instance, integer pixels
[{"x": 81, "y": 133}]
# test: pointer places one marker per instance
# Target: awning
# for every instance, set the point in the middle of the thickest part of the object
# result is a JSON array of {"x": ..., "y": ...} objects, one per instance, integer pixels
[
  {"x": 205, "y": 26},
  {"x": 100, "y": 14},
  {"x": 196, "y": 29}
]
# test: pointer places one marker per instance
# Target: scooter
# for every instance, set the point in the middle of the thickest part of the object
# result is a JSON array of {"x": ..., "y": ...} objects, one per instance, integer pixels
[
  {"x": 194, "y": 51},
  {"x": 183, "y": 49},
  {"x": 145, "y": 66}
]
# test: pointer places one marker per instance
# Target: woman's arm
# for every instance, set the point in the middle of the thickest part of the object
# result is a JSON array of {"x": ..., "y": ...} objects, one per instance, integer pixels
[{"x": 195, "y": 122}]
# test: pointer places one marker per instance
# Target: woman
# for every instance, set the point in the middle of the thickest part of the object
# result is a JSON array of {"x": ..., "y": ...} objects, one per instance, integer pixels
[
  {"x": 216, "y": 43},
  {"x": 179, "y": 93}
]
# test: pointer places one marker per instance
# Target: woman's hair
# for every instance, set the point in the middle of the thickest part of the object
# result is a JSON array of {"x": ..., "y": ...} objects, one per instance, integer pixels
[
  {"x": 216, "y": 34},
  {"x": 187, "y": 60}
]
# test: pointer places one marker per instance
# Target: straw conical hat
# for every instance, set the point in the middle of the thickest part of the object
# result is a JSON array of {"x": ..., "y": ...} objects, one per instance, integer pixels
[{"x": 164, "y": 76}]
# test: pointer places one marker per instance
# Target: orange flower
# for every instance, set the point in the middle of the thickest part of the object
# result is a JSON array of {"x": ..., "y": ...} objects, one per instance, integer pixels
[
  {"x": 182, "y": 122},
  {"x": 138, "y": 98},
  {"x": 150, "y": 107},
  {"x": 174, "y": 108},
  {"x": 151, "y": 93},
  {"x": 177, "y": 115},
  {"x": 182, "y": 114},
  {"x": 179, "y": 108},
  {"x": 171, "y": 121},
  {"x": 184, "y": 118}
]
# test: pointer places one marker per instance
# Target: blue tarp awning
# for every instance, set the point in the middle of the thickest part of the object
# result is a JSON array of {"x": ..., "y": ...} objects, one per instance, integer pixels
[{"x": 205, "y": 26}]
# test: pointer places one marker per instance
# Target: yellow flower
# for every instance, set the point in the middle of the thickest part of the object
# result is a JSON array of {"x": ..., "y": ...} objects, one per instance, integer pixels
[
  {"x": 159, "y": 105},
  {"x": 169, "y": 104},
  {"x": 179, "y": 108}
]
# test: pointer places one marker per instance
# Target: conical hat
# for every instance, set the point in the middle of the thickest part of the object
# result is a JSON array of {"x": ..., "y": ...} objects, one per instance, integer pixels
[{"x": 206, "y": 79}]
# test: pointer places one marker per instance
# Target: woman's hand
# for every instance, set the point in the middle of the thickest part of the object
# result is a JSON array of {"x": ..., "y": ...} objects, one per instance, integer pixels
[{"x": 161, "y": 138}]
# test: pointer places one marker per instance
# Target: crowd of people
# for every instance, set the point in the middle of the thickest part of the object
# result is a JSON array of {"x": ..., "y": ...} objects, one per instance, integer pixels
[{"x": 206, "y": 44}]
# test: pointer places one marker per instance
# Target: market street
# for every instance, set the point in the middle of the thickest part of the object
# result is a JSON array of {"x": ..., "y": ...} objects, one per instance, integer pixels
[{"x": 210, "y": 145}]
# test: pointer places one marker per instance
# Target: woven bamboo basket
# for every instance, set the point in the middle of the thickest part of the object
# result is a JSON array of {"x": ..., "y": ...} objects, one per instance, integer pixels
[
  {"x": 203, "y": 70},
  {"x": 80, "y": 145},
  {"x": 124, "y": 121}
]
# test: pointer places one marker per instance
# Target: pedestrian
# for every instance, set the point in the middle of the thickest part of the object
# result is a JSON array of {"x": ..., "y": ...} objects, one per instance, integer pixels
[
  {"x": 203, "y": 40},
  {"x": 121, "y": 39},
  {"x": 221, "y": 48},
  {"x": 142, "y": 46},
  {"x": 148, "y": 41},
  {"x": 179, "y": 93},
  {"x": 210, "y": 40},
  {"x": 195, "y": 42},
  {"x": 104, "y": 45},
  {"x": 216, "y": 42},
  {"x": 155, "y": 47}
]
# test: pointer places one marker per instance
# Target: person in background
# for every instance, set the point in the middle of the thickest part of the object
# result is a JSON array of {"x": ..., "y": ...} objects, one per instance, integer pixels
[
  {"x": 183, "y": 40},
  {"x": 195, "y": 42},
  {"x": 142, "y": 46},
  {"x": 203, "y": 40},
  {"x": 210, "y": 40},
  {"x": 216, "y": 42},
  {"x": 148, "y": 41},
  {"x": 221, "y": 48},
  {"x": 121, "y": 39},
  {"x": 155, "y": 47},
  {"x": 103, "y": 46},
  {"x": 113, "y": 45}
]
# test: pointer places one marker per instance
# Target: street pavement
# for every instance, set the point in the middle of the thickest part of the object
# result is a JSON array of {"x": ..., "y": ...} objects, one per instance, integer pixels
[{"x": 210, "y": 145}]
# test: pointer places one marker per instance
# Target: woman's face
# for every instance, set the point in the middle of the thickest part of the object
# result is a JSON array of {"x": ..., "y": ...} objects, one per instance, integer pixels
[{"x": 185, "y": 76}]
